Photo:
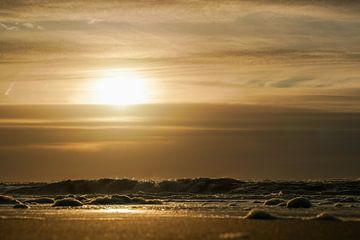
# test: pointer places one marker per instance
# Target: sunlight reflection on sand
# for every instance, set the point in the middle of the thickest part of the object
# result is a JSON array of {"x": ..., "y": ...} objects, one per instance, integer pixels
[{"x": 122, "y": 210}]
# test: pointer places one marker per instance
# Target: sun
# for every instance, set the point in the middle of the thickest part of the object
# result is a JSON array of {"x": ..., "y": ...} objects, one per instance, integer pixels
[{"x": 121, "y": 87}]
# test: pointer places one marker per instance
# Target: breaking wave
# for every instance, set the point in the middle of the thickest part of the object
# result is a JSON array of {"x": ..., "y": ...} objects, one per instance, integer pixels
[{"x": 189, "y": 185}]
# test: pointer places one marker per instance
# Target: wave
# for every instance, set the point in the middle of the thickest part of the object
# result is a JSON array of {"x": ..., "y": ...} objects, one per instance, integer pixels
[{"x": 188, "y": 185}]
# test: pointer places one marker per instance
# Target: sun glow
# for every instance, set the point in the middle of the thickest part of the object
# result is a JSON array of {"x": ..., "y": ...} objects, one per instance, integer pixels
[{"x": 121, "y": 87}]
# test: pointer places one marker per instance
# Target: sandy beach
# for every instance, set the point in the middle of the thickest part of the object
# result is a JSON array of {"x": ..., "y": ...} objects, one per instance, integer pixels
[
  {"x": 153, "y": 226},
  {"x": 141, "y": 223}
]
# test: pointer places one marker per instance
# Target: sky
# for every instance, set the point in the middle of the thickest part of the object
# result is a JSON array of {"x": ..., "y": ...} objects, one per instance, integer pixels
[{"x": 169, "y": 89}]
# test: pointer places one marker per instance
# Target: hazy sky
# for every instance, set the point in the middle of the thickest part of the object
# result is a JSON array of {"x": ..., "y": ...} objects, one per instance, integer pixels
[{"x": 248, "y": 89}]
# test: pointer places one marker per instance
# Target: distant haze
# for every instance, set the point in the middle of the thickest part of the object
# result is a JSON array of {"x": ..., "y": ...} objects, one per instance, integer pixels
[{"x": 168, "y": 141}]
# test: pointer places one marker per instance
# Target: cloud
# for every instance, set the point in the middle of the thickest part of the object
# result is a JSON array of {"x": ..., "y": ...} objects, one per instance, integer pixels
[
  {"x": 8, "y": 28},
  {"x": 34, "y": 26},
  {"x": 259, "y": 36},
  {"x": 142, "y": 11},
  {"x": 225, "y": 51},
  {"x": 17, "y": 26},
  {"x": 284, "y": 55},
  {"x": 291, "y": 82},
  {"x": 28, "y": 25}
]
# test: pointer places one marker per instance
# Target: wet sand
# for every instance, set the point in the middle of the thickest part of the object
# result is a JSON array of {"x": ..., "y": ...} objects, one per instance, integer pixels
[{"x": 87, "y": 224}]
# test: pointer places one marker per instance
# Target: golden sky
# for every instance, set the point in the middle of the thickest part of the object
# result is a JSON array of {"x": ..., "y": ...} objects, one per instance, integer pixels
[
  {"x": 251, "y": 84},
  {"x": 225, "y": 51}
]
